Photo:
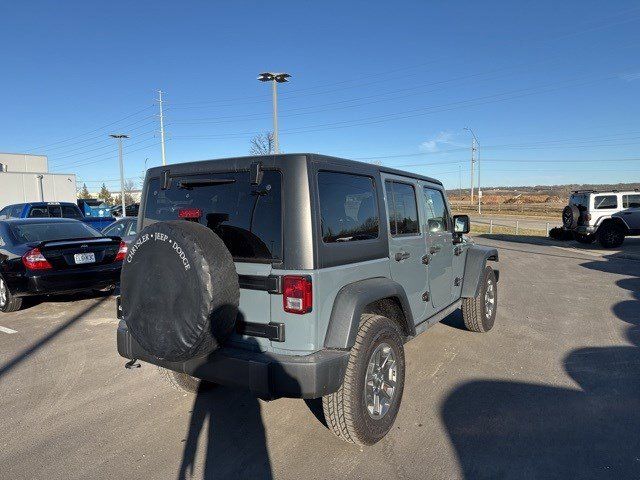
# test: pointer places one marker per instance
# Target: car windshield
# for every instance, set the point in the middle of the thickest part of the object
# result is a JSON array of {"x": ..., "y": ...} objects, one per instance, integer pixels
[
  {"x": 246, "y": 217},
  {"x": 43, "y": 232}
]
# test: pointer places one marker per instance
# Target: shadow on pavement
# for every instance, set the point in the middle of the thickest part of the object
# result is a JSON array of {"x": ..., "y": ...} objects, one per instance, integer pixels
[
  {"x": 235, "y": 444},
  {"x": 19, "y": 358},
  {"x": 503, "y": 429}
]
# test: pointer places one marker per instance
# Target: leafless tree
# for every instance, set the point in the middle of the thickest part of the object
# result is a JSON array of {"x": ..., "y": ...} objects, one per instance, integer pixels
[{"x": 262, "y": 144}]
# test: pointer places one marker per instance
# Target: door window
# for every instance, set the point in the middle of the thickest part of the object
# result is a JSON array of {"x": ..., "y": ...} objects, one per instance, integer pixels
[
  {"x": 348, "y": 206},
  {"x": 631, "y": 201},
  {"x": 436, "y": 210},
  {"x": 133, "y": 228},
  {"x": 403, "y": 208},
  {"x": 602, "y": 202}
]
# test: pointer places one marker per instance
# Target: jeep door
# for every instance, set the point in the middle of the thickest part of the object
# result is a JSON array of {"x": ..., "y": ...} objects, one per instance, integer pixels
[
  {"x": 406, "y": 241},
  {"x": 631, "y": 211},
  {"x": 439, "y": 245}
]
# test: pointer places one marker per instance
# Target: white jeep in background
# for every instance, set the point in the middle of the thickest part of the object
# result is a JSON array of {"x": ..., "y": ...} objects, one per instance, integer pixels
[{"x": 604, "y": 216}]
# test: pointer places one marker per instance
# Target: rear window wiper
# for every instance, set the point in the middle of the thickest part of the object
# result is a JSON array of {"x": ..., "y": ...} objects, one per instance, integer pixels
[{"x": 189, "y": 184}]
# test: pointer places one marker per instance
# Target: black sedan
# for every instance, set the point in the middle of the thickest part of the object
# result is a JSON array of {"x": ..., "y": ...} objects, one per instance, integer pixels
[{"x": 46, "y": 256}]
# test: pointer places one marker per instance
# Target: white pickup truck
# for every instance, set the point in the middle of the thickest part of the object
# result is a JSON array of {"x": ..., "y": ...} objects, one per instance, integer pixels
[{"x": 606, "y": 216}]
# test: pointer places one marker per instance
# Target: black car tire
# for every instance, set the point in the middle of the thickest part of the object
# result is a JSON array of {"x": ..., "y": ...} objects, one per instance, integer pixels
[
  {"x": 346, "y": 411},
  {"x": 184, "y": 382},
  {"x": 610, "y": 235},
  {"x": 582, "y": 238},
  {"x": 474, "y": 310},
  {"x": 180, "y": 290},
  {"x": 11, "y": 302}
]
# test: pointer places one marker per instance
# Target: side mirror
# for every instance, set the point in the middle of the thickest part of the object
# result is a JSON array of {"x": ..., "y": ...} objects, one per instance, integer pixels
[{"x": 461, "y": 224}]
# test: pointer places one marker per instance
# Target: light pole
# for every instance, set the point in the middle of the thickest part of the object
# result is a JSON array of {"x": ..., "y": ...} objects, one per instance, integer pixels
[
  {"x": 475, "y": 154},
  {"x": 275, "y": 78},
  {"x": 119, "y": 137}
]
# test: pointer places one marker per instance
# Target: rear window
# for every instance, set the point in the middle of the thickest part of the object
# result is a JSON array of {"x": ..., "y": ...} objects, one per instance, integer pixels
[
  {"x": 579, "y": 200},
  {"x": 43, "y": 232},
  {"x": 247, "y": 218},
  {"x": 70, "y": 211},
  {"x": 348, "y": 206},
  {"x": 601, "y": 202}
]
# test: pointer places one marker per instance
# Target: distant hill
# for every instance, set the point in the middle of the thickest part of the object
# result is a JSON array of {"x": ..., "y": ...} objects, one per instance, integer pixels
[{"x": 538, "y": 193}]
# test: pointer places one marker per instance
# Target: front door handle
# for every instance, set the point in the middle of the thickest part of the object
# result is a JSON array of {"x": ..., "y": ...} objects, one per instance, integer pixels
[
  {"x": 402, "y": 256},
  {"x": 435, "y": 249}
]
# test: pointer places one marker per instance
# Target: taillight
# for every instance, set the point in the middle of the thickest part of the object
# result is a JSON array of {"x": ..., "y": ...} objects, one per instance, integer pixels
[
  {"x": 190, "y": 213},
  {"x": 122, "y": 252},
  {"x": 297, "y": 296},
  {"x": 34, "y": 260},
  {"x": 587, "y": 217}
]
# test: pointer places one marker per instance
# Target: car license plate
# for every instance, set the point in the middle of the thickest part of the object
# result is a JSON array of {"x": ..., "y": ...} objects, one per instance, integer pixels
[{"x": 85, "y": 257}]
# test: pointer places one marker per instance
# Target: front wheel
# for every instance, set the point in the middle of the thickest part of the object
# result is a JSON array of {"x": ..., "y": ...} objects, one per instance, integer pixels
[
  {"x": 364, "y": 409},
  {"x": 8, "y": 302},
  {"x": 610, "y": 236},
  {"x": 479, "y": 313}
]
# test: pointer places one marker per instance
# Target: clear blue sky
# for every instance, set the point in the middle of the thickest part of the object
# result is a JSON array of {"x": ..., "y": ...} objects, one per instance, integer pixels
[{"x": 552, "y": 89}]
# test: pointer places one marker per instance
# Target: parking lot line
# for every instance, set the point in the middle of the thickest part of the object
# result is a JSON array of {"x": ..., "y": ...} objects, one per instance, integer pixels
[{"x": 7, "y": 330}]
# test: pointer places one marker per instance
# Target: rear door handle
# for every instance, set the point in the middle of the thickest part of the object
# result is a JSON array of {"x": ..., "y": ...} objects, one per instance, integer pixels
[
  {"x": 435, "y": 249},
  {"x": 402, "y": 256}
]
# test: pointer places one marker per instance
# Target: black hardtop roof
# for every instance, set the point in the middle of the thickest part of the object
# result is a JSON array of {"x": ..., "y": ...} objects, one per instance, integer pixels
[{"x": 272, "y": 160}]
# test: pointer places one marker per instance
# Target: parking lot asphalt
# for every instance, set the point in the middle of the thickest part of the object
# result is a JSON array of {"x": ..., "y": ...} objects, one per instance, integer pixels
[{"x": 553, "y": 391}]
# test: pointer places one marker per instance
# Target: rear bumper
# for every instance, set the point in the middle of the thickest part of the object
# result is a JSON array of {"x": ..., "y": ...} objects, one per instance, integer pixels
[
  {"x": 582, "y": 229},
  {"x": 50, "y": 282},
  {"x": 267, "y": 375}
]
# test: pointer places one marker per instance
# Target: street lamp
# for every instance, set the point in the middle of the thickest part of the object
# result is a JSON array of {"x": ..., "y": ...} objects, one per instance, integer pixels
[
  {"x": 120, "y": 137},
  {"x": 475, "y": 154},
  {"x": 275, "y": 78}
]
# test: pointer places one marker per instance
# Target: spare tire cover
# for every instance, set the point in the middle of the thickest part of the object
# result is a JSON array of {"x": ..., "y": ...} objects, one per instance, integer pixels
[{"x": 179, "y": 290}]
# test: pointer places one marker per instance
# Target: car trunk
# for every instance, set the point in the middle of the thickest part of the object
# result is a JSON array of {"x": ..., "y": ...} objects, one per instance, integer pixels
[
  {"x": 247, "y": 217},
  {"x": 79, "y": 253}
]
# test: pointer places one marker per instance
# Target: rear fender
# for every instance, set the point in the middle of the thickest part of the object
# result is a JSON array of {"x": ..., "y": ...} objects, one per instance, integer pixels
[
  {"x": 351, "y": 302},
  {"x": 476, "y": 262}
]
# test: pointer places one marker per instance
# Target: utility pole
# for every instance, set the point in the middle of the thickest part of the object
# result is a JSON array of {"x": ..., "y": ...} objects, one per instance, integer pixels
[
  {"x": 474, "y": 150},
  {"x": 164, "y": 161},
  {"x": 275, "y": 78},
  {"x": 119, "y": 137},
  {"x": 460, "y": 185}
]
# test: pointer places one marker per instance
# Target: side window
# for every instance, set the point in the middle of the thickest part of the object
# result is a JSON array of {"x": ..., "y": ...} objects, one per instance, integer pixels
[
  {"x": 602, "y": 202},
  {"x": 348, "y": 207},
  {"x": 16, "y": 211},
  {"x": 69, "y": 211},
  {"x": 4, "y": 213},
  {"x": 628, "y": 201},
  {"x": 38, "y": 212},
  {"x": 436, "y": 210},
  {"x": 403, "y": 208}
]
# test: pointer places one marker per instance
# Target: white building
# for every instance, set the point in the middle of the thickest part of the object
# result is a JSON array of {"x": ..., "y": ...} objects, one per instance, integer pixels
[{"x": 26, "y": 178}]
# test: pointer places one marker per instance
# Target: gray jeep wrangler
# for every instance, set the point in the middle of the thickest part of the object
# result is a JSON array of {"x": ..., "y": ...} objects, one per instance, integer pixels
[{"x": 298, "y": 275}]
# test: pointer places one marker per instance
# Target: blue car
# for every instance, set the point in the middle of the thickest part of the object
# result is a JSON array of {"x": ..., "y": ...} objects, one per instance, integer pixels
[{"x": 54, "y": 210}]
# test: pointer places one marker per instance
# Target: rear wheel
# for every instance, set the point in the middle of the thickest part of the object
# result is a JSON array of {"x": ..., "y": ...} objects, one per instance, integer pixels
[
  {"x": 581, "y": 238},
  {"x": 479, "y": 313},
  {"x": 610, "y": 235},
  {"x": 8, "y": 302},
  {"x": 184, "y": 382},
  {"x": 363, "y": 410}
]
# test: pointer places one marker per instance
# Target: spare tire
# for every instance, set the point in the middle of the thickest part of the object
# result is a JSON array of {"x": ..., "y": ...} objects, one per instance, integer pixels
[
  {"x": 570, "y": 216},
  {"x": 179, "y": 290}
]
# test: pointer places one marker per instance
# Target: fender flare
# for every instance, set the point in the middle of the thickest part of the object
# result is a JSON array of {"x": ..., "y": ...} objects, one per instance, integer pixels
[
  {"x": 350, "y": 303},
  {"x": 615, "y": 220},
  {"x": 475, "y": 263}
]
